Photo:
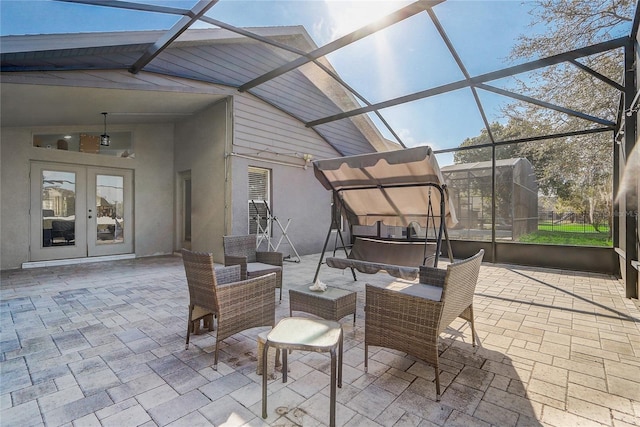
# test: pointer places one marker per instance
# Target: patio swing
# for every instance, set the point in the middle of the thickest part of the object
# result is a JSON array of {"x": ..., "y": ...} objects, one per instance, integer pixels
[{"x": 403, "y": 188}]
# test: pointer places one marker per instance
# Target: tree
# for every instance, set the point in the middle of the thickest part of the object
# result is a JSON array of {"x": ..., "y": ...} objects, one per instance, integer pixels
[
  {"x": 500, "y": 133},
  {"x": 578, "y": 169},
  {"x": 575, "y": 171},
  {"x": 573, "y": 24}
]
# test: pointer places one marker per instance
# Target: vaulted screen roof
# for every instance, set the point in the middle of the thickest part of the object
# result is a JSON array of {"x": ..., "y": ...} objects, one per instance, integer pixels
[
  {"x": 284, "y": 67},
  {"x": 213, "y": 56}
]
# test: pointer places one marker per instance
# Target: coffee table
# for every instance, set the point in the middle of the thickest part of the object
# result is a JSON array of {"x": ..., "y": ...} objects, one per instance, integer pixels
[{"x": 332, "y": 304}]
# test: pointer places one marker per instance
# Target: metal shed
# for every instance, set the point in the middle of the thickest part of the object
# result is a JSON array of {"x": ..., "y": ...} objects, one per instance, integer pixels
[{"x": 516, "y": 198}]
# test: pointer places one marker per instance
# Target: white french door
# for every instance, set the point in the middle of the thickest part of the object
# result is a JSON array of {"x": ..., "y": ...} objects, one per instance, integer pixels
[{"x": 80, "y": 211}]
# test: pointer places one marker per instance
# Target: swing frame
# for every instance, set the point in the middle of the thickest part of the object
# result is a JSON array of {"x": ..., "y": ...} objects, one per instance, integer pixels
[
  {"x": 440, "y": 231},
  {"x": 395, "y": 188}
]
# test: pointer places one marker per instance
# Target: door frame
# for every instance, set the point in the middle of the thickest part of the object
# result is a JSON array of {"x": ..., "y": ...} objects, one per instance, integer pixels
[
  {"x": 182, "y": 209},
  {"x": 85, "y": 222}
]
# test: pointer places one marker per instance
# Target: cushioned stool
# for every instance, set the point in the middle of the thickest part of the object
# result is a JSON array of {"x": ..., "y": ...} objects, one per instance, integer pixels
[
  {"x": 298, "y": 333},
  {"x": 273, "y": 358},
  {"x": 200, "y": 314}
]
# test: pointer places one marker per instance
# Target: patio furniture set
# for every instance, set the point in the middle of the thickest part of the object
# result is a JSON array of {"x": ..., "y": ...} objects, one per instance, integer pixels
[
  {"x": 404, "y": 316},
  {"x": 400, "y": 188}
]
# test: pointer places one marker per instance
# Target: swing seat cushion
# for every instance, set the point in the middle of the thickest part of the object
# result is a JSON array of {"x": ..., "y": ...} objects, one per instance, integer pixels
[
  {"x": 398, "y": 259},
  {"x": 366, "y": 267}
]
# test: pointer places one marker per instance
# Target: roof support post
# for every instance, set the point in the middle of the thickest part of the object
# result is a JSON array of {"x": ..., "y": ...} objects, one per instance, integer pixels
[
  {"x": 630, "y": 195},
  {"x": 494, "y": 247}
]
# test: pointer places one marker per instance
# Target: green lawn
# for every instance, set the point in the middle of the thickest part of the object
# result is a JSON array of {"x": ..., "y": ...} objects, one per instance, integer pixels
[
  {"x": 555, "y": 237},
  {"x": 573, "y": 228}
]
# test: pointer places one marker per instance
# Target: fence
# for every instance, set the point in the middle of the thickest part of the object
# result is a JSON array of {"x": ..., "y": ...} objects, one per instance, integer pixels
[{"x": 573, "y": 222}]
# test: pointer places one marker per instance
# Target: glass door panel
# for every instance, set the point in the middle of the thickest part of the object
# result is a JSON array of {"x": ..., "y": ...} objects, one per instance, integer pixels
[
  {"x": 57, "y": 212},
  {"x": 111, "y": 211},
  {"x": 58, "y": 208}
]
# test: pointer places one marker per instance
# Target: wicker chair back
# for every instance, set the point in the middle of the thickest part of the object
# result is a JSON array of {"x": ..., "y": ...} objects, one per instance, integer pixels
[
  {"x": 201, "y": 279},
  {"x": 237, "y": 304},
  {"x": 243, "y": 246},
  {"x": 460, "y": 285}
]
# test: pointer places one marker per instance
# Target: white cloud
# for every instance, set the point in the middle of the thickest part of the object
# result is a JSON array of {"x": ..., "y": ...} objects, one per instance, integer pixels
[{"x": 406, "y": 137}]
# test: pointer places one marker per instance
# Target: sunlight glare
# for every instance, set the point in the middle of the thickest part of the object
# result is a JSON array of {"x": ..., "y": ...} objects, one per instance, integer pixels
[{"x": 348, "y": 16}]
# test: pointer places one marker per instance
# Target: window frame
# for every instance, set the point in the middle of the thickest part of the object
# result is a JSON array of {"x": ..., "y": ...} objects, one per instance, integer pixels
[{"x": 266, "y": 200}]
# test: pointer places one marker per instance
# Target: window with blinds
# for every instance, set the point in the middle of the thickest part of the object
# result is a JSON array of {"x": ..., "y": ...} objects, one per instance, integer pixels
[{"x": 259, "y": 192}]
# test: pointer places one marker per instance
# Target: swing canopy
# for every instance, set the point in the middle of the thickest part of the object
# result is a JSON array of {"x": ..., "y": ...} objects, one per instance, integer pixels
[{"x": 396, "y": 188}]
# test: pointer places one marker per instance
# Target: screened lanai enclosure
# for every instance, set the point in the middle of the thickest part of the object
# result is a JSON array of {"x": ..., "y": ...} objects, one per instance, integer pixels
[{"x": 523, "y": 106}]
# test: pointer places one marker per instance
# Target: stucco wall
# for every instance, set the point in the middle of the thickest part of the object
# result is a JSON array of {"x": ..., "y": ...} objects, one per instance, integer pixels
[
  {"x": 296, "y": 194},
  {"x": 153, "y": 183},
  {"x": 199, "y": 147},
  {"x": 153, "y": 171},
  {"x": 14, "y": 197}
]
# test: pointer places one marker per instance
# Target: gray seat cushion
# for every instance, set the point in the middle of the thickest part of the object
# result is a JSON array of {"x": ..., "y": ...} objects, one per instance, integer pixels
[
  {"x": 430, "y": 292},
  {"x": 255, "y": 269}
]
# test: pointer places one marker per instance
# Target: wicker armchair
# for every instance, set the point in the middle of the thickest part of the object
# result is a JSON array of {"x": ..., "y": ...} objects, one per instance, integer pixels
[
  {"x": 411, "y": 319},
  {"x": 241, "y": 250},
  {"x": 237, "y": 305}
]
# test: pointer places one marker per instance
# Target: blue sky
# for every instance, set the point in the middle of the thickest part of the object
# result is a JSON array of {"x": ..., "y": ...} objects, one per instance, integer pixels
[{"x": 399, "y": 60}]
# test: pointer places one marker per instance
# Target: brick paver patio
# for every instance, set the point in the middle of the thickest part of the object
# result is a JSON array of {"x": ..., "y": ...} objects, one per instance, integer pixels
[{"x": 103, "y": 345}]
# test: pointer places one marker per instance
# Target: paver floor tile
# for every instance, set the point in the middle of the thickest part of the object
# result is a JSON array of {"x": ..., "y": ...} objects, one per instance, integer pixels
[
  {"x": 555, "y": 417},
  {"x": 396, "y": 416},
  {"x": 629, "y": 388},
  {"x": 372, "y": 401},
  {"x": 77, "y": 409},
  {"x": 103, "y": 344},
  {"x": 156, "y": 396},
  {"x": 227, "y": 411},
  {"x": 495, "y": 415},
  {"x": 392, "y": 383},
  {"x": 134, "y": 415},
  {"x": 316, "y": 408},
  {"x": 22, "y": 415},
  {"x": 178, "y": 407}
]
